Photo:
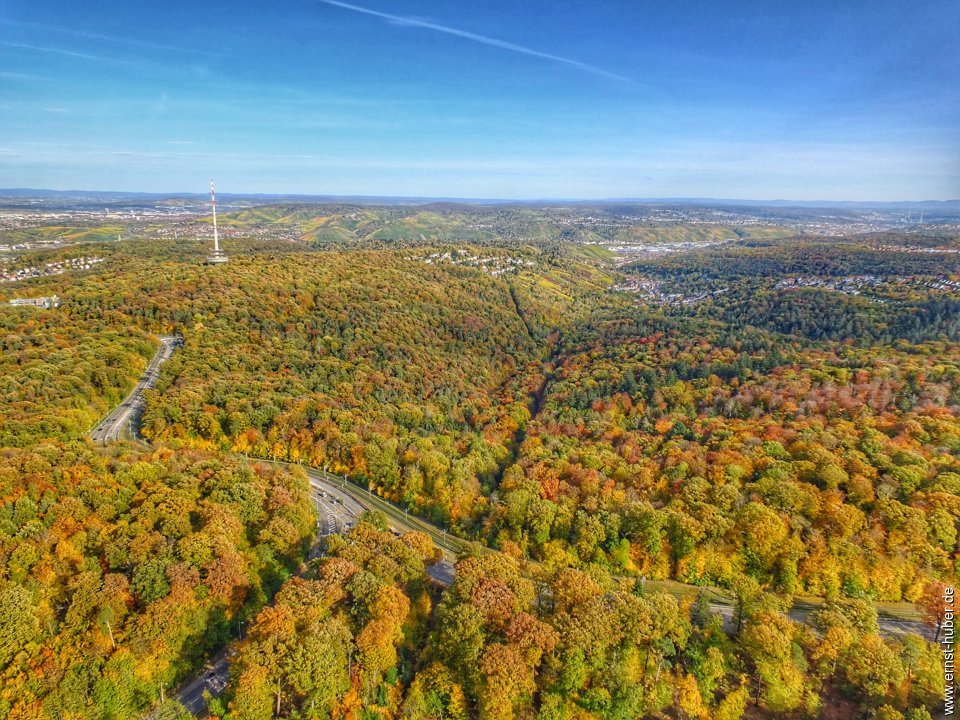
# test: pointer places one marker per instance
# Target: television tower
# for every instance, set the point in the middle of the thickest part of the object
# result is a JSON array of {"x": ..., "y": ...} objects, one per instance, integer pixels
[{"x": 218, "y": 256}]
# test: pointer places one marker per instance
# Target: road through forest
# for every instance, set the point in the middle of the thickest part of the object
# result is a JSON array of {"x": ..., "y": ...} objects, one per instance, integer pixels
[{"x": 339, "y": 504}]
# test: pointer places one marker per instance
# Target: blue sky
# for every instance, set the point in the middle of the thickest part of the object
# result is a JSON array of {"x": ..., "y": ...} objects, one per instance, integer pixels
[{"x": 849, "y": 99}]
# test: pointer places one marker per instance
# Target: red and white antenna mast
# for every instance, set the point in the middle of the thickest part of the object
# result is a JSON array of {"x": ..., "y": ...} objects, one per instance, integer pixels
[
  {"x": 218, "y": 256},
  {"x": 213, "y": 204}
]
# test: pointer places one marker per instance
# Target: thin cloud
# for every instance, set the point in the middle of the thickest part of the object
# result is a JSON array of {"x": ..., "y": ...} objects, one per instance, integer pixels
[
  {"x": 68, "y": 53},
  {"x": 482, "y": 39},
  {"x": 25, "y": 77},
  {"x": 107, "y": 38}
]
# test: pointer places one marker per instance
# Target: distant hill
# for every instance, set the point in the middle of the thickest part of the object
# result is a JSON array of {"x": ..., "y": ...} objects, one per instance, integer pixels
[{"x": 454, "y": 203}]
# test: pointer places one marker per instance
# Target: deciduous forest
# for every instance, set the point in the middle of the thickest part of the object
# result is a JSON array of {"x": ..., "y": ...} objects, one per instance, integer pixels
[{"x": 773, "y": 420}]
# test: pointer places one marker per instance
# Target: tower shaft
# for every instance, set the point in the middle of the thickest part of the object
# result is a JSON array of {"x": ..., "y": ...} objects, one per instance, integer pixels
[
  {"x": 213, "y": 205},
  {"x": 218, "y": 256}
]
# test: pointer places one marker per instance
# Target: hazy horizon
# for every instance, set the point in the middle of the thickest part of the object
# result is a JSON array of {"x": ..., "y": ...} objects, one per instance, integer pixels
[{"x": 23, "y": 192}]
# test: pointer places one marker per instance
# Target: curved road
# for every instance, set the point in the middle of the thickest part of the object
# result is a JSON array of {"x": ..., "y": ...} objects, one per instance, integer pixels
[
  {"x": 349, "y": 498},
  {"x": 352, "y": 497},
  {"x": 123, "y": 422}
]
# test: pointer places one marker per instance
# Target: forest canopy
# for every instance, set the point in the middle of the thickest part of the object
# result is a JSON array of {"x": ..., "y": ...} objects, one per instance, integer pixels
[{"x": 763, "y": 420}]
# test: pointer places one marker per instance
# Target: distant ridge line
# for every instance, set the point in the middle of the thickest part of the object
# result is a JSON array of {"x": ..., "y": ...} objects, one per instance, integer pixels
[{"x": 41, "y": 194}]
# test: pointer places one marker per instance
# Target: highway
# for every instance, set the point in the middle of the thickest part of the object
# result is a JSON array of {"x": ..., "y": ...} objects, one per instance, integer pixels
[
  {"x": 441, "y": 571},
  {"x": 123, "y": 422},
  {"x": 336, "y": 513},
  {"x": 351, "y": 501},
  {"x": 212, "y": 678},
  {"x": 355, "y": 501},
  {"x": 397, "y": 517}
]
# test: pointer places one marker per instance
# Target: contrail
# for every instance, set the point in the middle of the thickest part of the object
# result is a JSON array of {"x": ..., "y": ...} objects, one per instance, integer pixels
[
  {"x": 106, "y": 38},
  {"x": 68, "y": 53},
  {"x": 483, "y": 39}
]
